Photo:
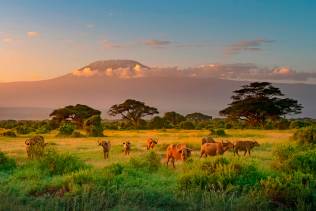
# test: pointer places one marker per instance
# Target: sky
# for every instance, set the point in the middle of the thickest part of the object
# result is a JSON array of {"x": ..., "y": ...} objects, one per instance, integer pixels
[{"x": 45, "y": 39}]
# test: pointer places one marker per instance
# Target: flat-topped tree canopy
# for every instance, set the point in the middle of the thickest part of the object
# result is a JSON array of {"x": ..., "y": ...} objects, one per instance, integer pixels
[
  {"x": 259, "y": 101},
  {"x": 132, "y": 111},
  {"x": 77, "y": 114}
]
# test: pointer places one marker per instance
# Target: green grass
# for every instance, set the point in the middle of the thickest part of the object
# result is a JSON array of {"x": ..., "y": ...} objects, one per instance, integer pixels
[{"x": 74, "y": 176}]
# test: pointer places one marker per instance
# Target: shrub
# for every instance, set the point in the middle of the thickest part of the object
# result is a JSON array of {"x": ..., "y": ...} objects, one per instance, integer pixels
[
  {"x": 59, "y": 164},
  {"x": 282, "y": 124},
  {"x": 24, "y": 129},
  {"x": 6, "y": 163},
  {"x": 220, "y": 174},
  {"x": 187, "y": 125},
  {"x": 43, "y": 129},
  {"x": 66, "y": 128},
  {"x": 9, "y": 133},
  {"x": 158, "y": 123},
  {"x": 287, "y": 191},
  {"x": 228, "y": 126},
  {"x": 217, "y": 132},
  {"x": 150, "y": 162},
  {"x": 303, "y": 161},
  {"x": 284, "y": 152},
  {"x": 8, "y": 124},
  {"x": 296, "y": 124},
  {"x": 305, "y": 135},
  {"x": 93, "y": 126}
]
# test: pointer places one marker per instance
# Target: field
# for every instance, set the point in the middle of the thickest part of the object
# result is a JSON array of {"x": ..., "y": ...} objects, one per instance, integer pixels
[
  {"x": 88, "y": 151},
  {"x": 141, "y": 180}
]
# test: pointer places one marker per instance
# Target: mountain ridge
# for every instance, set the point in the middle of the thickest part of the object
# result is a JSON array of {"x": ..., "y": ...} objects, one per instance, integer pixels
[{"x": 182, "y": 94}]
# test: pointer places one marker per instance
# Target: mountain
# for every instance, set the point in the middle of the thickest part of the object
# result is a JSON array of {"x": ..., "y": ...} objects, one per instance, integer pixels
[{"x": 104, "y": 83}]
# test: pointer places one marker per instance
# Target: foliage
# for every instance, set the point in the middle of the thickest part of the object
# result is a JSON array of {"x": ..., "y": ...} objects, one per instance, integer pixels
[
  {"x": 76, "y": 114},
  {"x": 288, "y": 191},
  {"x": 284, "y": 152},
  {"x": 198, "y": 117},
  {"x": 188, "y": 125},
  {"x": 158, "y": 123},
  {"x": 8, "y": 124},
  {"x": 9, "y": 133},
  {"x": 258, "y": 102},
  {"x": 24, "y": 129},
  {"x": 58, "y": 164},
  {"x": 296, "y": 124},
  {"x": 219, "y": 174},
  {"x": 305, "y": 135},
  {"x": 60, "y": 181},
  {"x": 93, "y": 126},
  {"x": 6, "y": 163},
  {"x": 132, "y": 111},
  {"x": 66, "y": 129},
  {"x": 150, "y": 162},
  {"x": 217, "y": 132},
  {"x": 43, "y": 129},
  {"x": 173, "y": 118},
  {"x": 304, "y": 161}
]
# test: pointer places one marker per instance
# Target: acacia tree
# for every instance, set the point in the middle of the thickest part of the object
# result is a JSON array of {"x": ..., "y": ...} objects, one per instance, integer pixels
[
  {"x": 133, "y": 111},
  {"x": 76, "y": 114},
  {"x": 173, "y": 117},
  {"x": 198, "y": 117},
  {"x": 259, "y": 101}
]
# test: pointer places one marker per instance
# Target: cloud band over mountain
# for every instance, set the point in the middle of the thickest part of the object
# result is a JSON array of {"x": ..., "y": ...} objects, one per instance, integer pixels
[{"x": 239, "y": 71}]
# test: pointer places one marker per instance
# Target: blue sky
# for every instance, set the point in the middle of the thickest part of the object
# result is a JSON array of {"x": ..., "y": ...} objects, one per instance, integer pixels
[{"x": 43, "y": 39}]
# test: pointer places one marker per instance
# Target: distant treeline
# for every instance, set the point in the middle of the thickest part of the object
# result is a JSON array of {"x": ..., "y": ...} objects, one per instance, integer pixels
[
  {"x": 44, "y": 126},
  {"x": 257, "y": 105}
]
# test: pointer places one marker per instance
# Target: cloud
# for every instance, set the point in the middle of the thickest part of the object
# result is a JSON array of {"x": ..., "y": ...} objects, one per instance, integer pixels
[
  {"x": 32, "y": 34},
  {"x": 109, "y": 72},
  {"x": 246, "y": 45},
  {"x": 139, "y": 71},
  {"x": 282, "y": 71},
  {"x": 85, "y": 72},
  {"x": 157, "y": 43},
  {"x": 239, "y": 71}
]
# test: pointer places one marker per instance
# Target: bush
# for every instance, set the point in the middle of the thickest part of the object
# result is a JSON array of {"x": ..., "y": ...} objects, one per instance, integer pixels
[
  {"x": 59, "y": 164},
  {"x": 220, "y": 174},
  {"x": 43, "y": 129},
  {"x": 93, "y": 126},
  {"x": 284, "y": 152},
  {"x": 296, "y": 124},
  {"x": 218, "y": 133},
  {"x": 288, "y": 191},
  {"x": 9, "y": 133},
  {"x": 8, "y": 124},
  {"x": 303, "y": 161},
  {"x": 305, "y": 135},
  {"x": 158, "y": 123},
  {"x": 187, "y": 125},
  {"x": 66, "y": 129},
  {"x": 151, "y": 162},
  {"x": 6, "y": 163},
  {"x": 24, "y": 129}
]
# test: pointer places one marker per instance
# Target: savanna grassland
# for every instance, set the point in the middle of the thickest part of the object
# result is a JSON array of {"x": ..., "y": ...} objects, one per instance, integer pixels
[{"x": 74, "y": 176}]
